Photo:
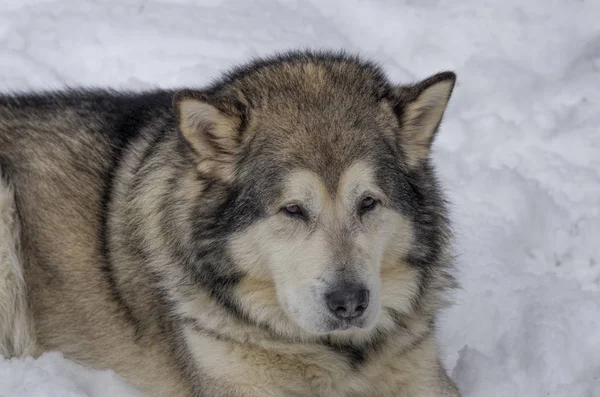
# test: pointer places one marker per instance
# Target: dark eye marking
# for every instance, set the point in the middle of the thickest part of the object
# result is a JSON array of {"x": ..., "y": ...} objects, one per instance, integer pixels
[
  {"x": 294, "y": 211},
  {"x": 368, "y": 203}
]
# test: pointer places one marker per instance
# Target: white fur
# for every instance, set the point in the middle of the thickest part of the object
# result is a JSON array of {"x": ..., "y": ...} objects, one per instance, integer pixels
[
  {"x": 16, "y": 328},
  {"x": 301, "y": 261}
]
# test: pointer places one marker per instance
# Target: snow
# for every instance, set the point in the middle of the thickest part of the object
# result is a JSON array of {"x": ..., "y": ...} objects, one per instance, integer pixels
[{"x": 519, "y": 152}]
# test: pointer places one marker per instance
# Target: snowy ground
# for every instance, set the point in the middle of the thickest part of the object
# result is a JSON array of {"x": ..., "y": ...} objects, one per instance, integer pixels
[{"x": 519, "y": 152}]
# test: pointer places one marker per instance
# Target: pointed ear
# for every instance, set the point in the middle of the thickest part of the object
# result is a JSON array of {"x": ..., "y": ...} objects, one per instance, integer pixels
[
  {"x": 212, "y": 130},
  {"x": 420, "y": 109}
]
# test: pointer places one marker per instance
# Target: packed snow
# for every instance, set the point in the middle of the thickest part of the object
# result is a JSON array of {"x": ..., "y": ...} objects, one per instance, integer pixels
[{"x": 518, "y": 153}]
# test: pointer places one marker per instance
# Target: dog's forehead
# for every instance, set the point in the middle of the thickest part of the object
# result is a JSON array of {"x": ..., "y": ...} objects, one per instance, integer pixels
[
  {"x": 328, "y": 150},
  {"x": 319, "y": 116},
  {"x": 326, "y": 138},
  {"x": 307, "y": 184}
]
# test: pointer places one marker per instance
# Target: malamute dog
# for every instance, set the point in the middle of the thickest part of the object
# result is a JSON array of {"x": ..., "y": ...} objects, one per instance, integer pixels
[{"x": 277, "y": 233}]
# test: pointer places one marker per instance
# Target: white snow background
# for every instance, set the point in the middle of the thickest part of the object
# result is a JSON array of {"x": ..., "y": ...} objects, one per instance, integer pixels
[{"x": 519, "y": 151}]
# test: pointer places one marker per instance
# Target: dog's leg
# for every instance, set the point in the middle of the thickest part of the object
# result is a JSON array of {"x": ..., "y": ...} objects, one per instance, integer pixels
[
  {"x": 448, "y": 387},
  {"x": 422, "y": 374},
  {"x": 435, "y": 384}
]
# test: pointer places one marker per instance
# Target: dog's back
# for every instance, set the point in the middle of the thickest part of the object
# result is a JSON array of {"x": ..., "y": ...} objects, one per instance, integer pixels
[{"x": 57, "y": 152}]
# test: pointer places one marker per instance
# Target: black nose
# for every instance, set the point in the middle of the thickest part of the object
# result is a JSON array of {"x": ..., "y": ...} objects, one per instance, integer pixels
[{"x": 348, "y": 303}]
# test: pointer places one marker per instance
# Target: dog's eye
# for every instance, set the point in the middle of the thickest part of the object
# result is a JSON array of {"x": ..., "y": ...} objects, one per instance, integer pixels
[
  {"x": 367, "y": 204},
  {"x": 293, "y": 210}
]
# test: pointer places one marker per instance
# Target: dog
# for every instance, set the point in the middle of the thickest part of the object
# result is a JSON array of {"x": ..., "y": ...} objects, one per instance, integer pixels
[{"x": 280, "y": 232}]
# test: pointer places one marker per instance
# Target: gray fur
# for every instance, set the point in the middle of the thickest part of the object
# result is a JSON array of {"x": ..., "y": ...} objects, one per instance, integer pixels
[{"x": 139, "y": 215}]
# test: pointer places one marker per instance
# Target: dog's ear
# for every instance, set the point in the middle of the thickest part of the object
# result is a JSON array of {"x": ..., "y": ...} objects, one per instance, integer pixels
[
  {"x": 212, "y": 128},
  {"x": 420, "y": 108}
]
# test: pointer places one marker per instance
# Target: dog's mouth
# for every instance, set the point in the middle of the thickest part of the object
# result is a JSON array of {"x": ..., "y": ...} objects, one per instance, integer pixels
[
  {"x": 337, "y": 325},
  {"x": 334, "y": 324},
  {"x": 329, "y": 324}
]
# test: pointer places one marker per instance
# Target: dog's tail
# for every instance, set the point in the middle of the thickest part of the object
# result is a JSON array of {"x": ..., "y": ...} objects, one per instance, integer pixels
[{"x": 17, "y": 335}]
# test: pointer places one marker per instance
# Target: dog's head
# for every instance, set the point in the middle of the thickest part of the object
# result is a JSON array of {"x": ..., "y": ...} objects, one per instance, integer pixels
[{"x": 326, "y": 163}]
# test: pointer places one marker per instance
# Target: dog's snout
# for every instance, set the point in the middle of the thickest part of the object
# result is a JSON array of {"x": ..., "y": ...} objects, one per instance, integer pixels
[{"x": 348, "y": 303}]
